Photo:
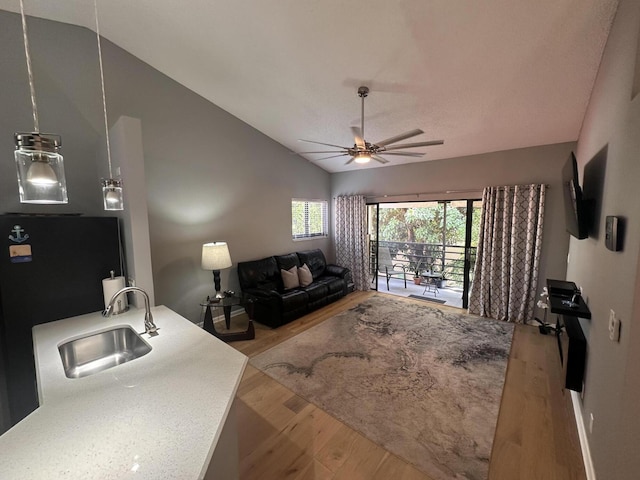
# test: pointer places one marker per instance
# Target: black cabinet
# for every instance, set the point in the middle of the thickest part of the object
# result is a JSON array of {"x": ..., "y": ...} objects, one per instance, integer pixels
[
  {"x": 566, "y": 301},
  {"x": 573, "y": 351}
]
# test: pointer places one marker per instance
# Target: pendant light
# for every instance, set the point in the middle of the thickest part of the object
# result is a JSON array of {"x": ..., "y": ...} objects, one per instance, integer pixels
[
  {"x": 39, "y": 163},
  {"x": 111, "y": 187}
]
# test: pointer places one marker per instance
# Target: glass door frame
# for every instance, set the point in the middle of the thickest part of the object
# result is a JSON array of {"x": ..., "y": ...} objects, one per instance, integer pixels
[{"x": 373, "y": 255}]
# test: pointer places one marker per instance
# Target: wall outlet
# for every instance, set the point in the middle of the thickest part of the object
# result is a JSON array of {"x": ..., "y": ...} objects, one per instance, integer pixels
[
  {"x": 591, "y": 423},
  {"x": 614, "y": 327}
]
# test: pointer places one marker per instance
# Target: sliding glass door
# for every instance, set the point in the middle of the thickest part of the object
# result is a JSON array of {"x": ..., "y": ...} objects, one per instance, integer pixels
[
  {"x": 372, "y": 214},
  {"x": 437, "y": 238}
]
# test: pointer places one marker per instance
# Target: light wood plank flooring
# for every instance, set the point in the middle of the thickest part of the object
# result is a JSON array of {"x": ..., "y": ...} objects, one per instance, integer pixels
[{"x": 282, "y": 436}]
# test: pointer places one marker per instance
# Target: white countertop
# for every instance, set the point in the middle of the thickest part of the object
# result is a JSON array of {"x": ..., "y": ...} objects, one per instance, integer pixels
[{"x": 156, "y": 417}]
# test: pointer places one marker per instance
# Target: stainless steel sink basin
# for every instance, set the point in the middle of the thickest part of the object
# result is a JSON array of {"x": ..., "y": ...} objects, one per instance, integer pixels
[{"x": 99, "y": 351}]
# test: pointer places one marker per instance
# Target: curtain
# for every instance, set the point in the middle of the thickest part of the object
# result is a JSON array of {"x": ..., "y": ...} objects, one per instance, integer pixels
[
  {"x": 351, "y": 238},
  {"x": 508, "y": 256}
]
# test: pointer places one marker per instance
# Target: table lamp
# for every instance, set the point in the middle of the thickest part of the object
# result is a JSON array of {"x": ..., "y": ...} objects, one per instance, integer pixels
[{"x": 215, "y": 256}]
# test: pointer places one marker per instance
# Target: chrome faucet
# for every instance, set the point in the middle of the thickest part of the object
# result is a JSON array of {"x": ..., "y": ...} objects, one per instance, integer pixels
[{"x": 149, "y": 326}]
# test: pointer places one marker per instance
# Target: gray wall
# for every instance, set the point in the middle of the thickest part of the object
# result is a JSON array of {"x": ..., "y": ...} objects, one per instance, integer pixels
[
  {"x": 210, "y": 177},
  {"x": 470, "y": 175},
  {"x": 66, "y": 75},
  {"x": 608, "y": 155}
]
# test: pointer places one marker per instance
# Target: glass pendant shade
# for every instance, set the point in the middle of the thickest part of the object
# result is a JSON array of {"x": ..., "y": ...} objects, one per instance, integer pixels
[
  {"x": 40, "y": 168},
  {"x": 112, "y": 194}
]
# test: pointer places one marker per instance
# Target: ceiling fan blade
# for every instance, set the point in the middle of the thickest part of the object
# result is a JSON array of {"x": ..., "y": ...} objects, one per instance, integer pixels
[
  {"x": 403, "y": 154},
  {"x": 350, "y": 160},
  {"x": 418, "y": 144},
  {"x": 327, "y": 144},
  {"x": 359, "y": 141},
  {"x": 320, "y": 151},
  {"x": 332, "y": 156},
  {"x": 379, "y": 159},
  {"x": 397, "y": 138}
]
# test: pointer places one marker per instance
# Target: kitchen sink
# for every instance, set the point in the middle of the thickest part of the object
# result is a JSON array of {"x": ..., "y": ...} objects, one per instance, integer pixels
[{"x": 100, "y": 351}]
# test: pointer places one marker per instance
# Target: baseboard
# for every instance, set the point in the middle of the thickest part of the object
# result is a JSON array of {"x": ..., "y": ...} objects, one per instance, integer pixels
[{"x": 582, "y": 434}]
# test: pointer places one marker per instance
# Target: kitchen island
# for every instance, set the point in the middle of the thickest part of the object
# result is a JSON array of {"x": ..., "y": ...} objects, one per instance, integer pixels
[{"x": 166, "y": 415}]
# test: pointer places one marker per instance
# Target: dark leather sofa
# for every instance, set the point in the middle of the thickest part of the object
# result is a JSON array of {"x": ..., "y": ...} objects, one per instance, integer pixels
[{"x": 261, "y": 282}]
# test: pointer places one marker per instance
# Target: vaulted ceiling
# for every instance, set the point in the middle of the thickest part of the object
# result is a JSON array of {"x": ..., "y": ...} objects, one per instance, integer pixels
[{"x": 481, "y": 75}]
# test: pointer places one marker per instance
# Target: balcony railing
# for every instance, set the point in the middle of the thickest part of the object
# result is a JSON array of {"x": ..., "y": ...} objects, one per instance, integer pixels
[{"x": 428, "y": 257}]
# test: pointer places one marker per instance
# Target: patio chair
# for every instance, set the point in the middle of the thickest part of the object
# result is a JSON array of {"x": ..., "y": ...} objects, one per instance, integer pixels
[{"x": 388, "y": 268}]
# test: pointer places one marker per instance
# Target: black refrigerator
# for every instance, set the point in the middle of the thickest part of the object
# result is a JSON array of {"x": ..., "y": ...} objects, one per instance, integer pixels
[{"x": 51, "y": 267}]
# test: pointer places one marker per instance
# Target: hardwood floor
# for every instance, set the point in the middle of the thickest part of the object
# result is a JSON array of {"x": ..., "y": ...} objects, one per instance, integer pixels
[{"x": 282, "y": 436}]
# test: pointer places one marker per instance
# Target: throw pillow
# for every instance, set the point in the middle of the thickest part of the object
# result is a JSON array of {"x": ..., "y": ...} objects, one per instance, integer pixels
[
  {"x": 290, "y": 278},
  {"x": 304, "y": 276}
]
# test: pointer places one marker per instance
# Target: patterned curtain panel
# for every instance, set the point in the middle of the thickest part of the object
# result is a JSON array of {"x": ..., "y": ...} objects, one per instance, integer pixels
[
  {"x": 508, "y": 257},
  {"x": 351, "y": 238}
]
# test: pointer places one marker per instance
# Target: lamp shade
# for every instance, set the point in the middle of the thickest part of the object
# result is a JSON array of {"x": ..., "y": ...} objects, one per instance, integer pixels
[{"x": 215, "y": 256}]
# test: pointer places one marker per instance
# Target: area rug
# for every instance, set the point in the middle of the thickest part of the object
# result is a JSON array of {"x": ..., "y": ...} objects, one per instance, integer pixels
[
  {"x": 423, "y": 382},
  {"x": 428, "y": 299}
]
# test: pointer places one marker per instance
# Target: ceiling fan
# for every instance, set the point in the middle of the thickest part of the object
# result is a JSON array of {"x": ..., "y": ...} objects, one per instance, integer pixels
[{"x": 363, "y": 151}]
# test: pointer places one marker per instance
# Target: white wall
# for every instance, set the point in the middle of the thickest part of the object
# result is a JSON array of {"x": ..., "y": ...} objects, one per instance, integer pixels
[
  {"x": 128, "y": 159},
  {"x": 608, "y": 155}
]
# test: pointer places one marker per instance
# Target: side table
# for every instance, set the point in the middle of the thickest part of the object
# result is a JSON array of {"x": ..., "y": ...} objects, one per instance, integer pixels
[
  {"x": 431, "y": 280},
  {"x": 226, "y": 303}
]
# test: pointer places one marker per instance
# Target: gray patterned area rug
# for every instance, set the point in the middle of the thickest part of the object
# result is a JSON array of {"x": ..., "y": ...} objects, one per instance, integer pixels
[{"x": 423, "y": 382}]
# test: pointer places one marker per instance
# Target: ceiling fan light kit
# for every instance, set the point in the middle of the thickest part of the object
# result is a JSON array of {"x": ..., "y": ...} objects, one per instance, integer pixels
[
  {"x": 362, "y": 157},
  {"x": 363, "y": 152}
]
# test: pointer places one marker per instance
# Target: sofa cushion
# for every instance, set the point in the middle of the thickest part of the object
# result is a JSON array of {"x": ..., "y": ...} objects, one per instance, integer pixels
[
  {"x": 285, "y": 262},
  {"x": 334, "y": 284},
  {"x": 315, "y": 260},
  {"x": 316, "y": 291},
  {"x": 294, "y": 300},
  {"x": 290, "y": 278},
  {"x": 304, "y": 275},
  {"x": 259, "y": 273}
]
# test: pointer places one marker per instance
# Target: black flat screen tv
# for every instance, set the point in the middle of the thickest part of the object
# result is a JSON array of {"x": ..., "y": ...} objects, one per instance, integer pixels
[{"x": 576, "y": 208}]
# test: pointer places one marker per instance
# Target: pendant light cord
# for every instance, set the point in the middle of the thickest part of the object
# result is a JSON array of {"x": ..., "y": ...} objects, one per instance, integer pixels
[
  {"x": 36, "y": 123},
  {"x": 104, "y": 101}
]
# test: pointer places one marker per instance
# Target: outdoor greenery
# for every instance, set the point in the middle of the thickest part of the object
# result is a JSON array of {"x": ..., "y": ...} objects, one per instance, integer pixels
[
  {"x": 416, "y": 236},
  {"x": 426, "y": 224},
  {"x": 308, "y": 218}
]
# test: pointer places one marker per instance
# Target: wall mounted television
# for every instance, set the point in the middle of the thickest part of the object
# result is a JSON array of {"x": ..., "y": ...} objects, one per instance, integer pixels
[{"x": 577, "y": 209}]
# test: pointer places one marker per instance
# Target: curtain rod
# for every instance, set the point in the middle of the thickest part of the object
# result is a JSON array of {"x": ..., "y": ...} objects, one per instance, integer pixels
[{"x": 447, "y": 192}]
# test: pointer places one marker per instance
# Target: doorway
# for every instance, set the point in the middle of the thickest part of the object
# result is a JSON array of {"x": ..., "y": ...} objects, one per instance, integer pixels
[{"x": 434, "y": 242}]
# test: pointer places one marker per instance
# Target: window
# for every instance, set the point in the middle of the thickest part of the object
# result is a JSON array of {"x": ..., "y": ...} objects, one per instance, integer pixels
[{"x": 308, "y": 218}]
